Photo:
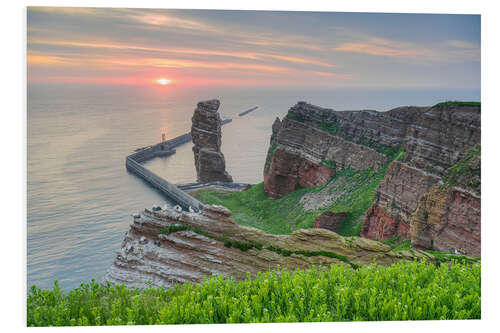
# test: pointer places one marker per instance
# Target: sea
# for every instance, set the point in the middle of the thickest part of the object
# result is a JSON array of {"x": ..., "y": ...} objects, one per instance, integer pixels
[{"x": 80, "y": 197}]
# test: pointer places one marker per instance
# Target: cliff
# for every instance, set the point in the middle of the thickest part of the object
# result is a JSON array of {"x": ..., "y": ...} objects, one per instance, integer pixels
[
  {"x": 420, "y": 145},
  {"x": 449, "y": 215},
  {"x": 163, "y": 248},
  {"x": 206, "y": 135}
]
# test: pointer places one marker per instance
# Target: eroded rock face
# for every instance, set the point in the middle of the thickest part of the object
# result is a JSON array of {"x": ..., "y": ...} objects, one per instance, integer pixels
[
  {"x": 433, "y": 140},
  {"x": 439, "y": 139},
  {"x": 395, "y": 200},
  {"x": 289, "y": 172},
  {"x": 329, "y": 220},
  {"x": 206, "y": 133},
  {"x": 448, "y": 219},
  {"x": 441, "y": 136},
  {"x": 147, "y": 255},
  {"x": 381, "y": 225}
]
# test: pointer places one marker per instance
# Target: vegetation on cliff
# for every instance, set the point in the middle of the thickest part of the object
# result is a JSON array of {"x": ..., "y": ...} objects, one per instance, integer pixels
[
  {"x": 467, "y": 172},
  {"x": 451, "y": 104},
  {"x": 282, "y": 216},
  {"x": 403, "y": 291},
  {"x": 269, "y": 157}
]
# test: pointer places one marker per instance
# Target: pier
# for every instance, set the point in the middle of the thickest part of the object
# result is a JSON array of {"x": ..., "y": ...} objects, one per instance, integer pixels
[
  {"x": 248, "y": 111},
  {"x": 163, "y": 149}
]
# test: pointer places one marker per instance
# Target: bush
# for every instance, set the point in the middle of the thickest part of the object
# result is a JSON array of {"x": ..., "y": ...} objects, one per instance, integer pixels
[{"x": 403, "y": 291}]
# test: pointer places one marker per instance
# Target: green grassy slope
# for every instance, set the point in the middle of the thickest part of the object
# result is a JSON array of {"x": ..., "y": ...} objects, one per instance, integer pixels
[{"x": 282, "y": 216}]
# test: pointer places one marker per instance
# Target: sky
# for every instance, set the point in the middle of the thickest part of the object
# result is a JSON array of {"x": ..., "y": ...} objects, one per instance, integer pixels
[{"x": 117, "y": 46}]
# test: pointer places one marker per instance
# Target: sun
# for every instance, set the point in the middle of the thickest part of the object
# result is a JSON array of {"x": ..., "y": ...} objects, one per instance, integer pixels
[{"x": 163, "y": 81}]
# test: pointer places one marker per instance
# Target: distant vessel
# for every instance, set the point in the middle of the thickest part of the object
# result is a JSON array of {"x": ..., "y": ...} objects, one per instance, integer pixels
[{"x": 248, "y": 111}]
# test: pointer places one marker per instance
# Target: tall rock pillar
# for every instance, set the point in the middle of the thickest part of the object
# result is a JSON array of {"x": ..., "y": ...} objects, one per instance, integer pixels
[{"x": 206, "y": 133}]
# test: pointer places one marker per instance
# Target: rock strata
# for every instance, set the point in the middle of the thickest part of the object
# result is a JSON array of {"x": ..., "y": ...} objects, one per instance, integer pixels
[
  {"x": 395, "y": 201},
  {"x": 448, "y": 219},
  {"x": 150, "y": 257},
  {"x": 435, "y": 144},
  {"x": 311, "y": 144},
  {"x": 206, "y": 135}
]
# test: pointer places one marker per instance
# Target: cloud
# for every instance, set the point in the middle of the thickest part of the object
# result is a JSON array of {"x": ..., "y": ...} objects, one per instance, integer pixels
[
  {"x": 162, "y": 21},
  {"x": 382, "y": 47},
  {"x": 444, "y": 51},
  {"x": 186, "y": 52}
]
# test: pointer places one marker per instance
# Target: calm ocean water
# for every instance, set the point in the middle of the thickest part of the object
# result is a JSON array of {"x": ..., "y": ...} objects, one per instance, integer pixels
[{"x": 80, "y": 196}]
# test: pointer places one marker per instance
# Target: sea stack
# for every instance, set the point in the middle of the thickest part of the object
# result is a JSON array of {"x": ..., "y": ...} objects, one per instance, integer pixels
[{"x": 206, "y": 133}]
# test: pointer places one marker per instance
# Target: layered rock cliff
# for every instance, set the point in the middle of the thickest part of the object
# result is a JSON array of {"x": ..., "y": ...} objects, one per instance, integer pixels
[
  {"x": 307, "y": 148},
  {"x": 164, "y": 248},
  {"x": 206, "y": 135},
  {"x": 437, "y": 141},
  {"x": 448, "y": 217},
  {"x": 312, "y": 143}
]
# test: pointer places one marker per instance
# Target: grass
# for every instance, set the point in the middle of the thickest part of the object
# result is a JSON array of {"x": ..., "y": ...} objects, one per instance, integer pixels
[
  {"x": 243, "y": 246},
  {"x": 398, "y": 244},
  {"x": 402, "y": 246},
  {"x": 450, "y": 104},
  {"x": 294, "y": 116},
  {"x": 269, "y": 157},
  {"x": 329, "y": 127},
  {"x": 282, "y": 216},
  {"x": 403, "y": 291},
  {"x": 462, "y": 174},
  {"x": 447, "y": 257},
  {"x": 329, "y": 164}
]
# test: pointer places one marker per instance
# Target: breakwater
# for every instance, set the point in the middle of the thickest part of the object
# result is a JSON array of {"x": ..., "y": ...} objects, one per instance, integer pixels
[
  {"x": 170, "y": 190},
  {"x": 225, "y": 185},
  {"x": 248, "y": 111},
  {"x": 163, "y": 149}
]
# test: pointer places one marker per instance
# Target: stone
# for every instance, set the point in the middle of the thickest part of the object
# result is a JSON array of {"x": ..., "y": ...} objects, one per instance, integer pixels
[
  {"x": 189, "y": 256},
  {"x": 206, "y": 135},
  {"x": 329, "y": 220},
  {"x": 448, "y": 219},
  {"x": 289, "y": 172},
  {"x": 395, "y": 200}
]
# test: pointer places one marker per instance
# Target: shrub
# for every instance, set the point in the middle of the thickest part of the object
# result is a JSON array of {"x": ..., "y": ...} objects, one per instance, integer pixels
[{"x": 403, "y": 291}]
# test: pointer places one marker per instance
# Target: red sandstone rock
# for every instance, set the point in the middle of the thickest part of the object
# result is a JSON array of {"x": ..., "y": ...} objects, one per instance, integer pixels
[
  {"x": 395, "y": 201},
  {"x": 329, "y": 220},
  {"x": 289, "y": 172},
  {"x": 381, "y": 225},
  {"x": 448, "y": 219}
]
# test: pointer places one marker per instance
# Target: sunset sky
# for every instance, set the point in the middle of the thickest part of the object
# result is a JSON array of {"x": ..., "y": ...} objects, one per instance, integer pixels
[{"x": 252, "y": 48}]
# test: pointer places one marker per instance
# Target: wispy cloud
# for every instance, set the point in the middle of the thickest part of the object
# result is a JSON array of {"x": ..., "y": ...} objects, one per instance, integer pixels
[
  {"x": 381, "y": 47},
  {"x": 186, "y": 52},
  {"x": 445, "y": 51}
]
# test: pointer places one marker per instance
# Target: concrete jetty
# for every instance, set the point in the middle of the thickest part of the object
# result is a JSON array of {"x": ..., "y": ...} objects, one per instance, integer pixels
[
  {"x": 248, "y": 111},
  {"x": 133, "y": 163}
]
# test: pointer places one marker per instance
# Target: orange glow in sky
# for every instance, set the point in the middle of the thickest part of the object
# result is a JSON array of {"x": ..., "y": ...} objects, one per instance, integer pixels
[{"x": 163, "y": 81}]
